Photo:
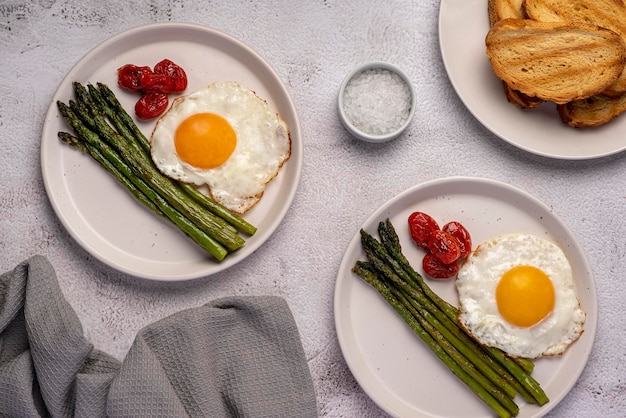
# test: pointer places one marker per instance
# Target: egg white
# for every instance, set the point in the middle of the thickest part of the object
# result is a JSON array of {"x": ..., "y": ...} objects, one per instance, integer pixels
[
  {"x": 478, "y": 310},
  {"x": 263, "y": 144}
]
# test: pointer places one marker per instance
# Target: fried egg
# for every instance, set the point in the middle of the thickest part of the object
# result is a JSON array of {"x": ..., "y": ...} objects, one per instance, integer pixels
[
  {"x": 516, "y": 292},
  {"x": 224, "y": 136}
]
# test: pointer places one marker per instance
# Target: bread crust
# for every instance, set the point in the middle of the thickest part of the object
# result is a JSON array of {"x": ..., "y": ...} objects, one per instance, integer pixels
[
  {"x": 554, "y": 61},
  {"x": 520, "y": 99}
]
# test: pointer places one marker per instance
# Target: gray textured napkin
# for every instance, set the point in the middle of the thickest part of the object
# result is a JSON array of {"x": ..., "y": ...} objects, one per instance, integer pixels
[{"x": 237, "y": 356}]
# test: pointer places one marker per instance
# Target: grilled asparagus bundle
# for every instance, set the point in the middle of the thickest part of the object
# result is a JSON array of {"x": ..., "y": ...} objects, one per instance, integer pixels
[{"x": 106, "y": 132}]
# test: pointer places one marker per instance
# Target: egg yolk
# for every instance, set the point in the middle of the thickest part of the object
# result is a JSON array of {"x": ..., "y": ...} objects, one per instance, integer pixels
[
  {"x": 205, "y": 140},
  {"x": 525, "y": 295}
]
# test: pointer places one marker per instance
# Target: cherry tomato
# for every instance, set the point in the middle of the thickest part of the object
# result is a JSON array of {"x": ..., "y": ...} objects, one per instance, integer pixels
[
  {"x": 436, "y": 269},
  {"x": 421, "y": 226},
  {"x": 151, "y": 105},
  {"x": 175, "y": 72},
  {"x": 129, "y": 76},
  {"x": 444, "y": 246},
  {"x": 155, "y": 83},
  {"x": 462, "y": 235}
]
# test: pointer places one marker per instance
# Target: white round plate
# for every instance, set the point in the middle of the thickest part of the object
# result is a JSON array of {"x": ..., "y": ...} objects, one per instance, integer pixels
[
  {"x": 463, "y": 25},
  {"x": 392, "y": 365},
  {"x": 107, "y": 220}
]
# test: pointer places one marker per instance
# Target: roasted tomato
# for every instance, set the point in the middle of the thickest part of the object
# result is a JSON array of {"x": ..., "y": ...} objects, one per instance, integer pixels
[
  {"x": 438, "y": 270},
  {"x": 129, "y": 76},
  {"x": 462, "y": 235},
  {"x": 151, "y": 105},
  {"x": 444, "y": 247},
  {"x": 155, "y": 83},
  {"x": 175, "y": 72},
  {"x": 421, "y": 227}
]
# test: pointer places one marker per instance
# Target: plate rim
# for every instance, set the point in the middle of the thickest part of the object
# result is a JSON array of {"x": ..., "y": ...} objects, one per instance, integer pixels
[
  {"x": 377, "y": 214},
  {"x": 444, "y": 6},
  {"x": 296, "y": 159}
]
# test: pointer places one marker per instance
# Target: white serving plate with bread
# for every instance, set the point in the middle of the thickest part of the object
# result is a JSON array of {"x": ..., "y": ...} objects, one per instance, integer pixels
[{"x": 463, "y": 26}]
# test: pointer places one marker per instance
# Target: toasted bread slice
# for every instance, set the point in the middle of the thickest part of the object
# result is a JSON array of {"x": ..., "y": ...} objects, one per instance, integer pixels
[
  {"x": 609, "y": 14},
  {"x": 553, "y": 61},
  {"x": 594, "y": 111},
  {"x": 506, "y": 9}
]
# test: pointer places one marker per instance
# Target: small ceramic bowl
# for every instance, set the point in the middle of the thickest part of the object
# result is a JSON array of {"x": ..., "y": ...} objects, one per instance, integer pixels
[{"x": 376, "y": 122}]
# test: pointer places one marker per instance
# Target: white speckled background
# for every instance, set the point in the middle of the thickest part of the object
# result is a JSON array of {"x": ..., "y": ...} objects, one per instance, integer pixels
[{"x": 312, "y": 45}]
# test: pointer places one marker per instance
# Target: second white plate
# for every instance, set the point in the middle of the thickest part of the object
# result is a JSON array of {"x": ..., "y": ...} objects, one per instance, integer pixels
[
  {"x": 463, "y": 25},
  {"x": 100, "y": 214},
  {"x": 394, "y": 367}
]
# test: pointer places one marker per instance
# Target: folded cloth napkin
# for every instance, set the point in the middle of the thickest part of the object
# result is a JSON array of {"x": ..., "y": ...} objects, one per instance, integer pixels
[{"x": 235, "y": 356}]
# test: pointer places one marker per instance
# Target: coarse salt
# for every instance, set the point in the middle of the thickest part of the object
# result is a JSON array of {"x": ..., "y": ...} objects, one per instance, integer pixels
[{"x": 377, "y": 101}]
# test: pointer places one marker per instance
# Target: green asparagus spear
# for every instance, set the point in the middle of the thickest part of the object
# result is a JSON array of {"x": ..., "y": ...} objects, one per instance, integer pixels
[
  {"x": 387, "y": 264},
  {"x": 467, "y": 349},
  {"x": 398, "y": 262},
  {"x": 390, "y": 240},
  {"x": 107, "y": 101},
  {"x": 111, "y": 168},
  {"x": 145, "y": 169},
  {"x": 107, "y": 156},
  {"x": 456, "y": 369},
  {"x": 519, "y": 368}
]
